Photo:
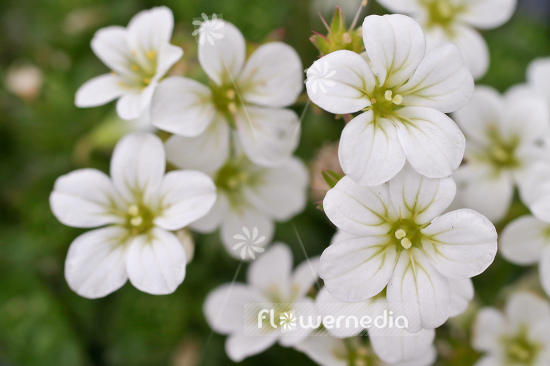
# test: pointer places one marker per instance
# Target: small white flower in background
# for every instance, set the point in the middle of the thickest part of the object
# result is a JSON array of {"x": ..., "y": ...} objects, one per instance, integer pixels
[
  {"x": 249, "y": 243},
  {"x": 139, "y": 56},
  {"x": 404, "y": 94},
  {"x": 538, "y": 80},
  {"x": 249, "y": 195},
  {"x": 318, "y": 76},
  {"x": 140, "y": 206},
  {"x": 403, "y": 244},
  {"x": 518, "y": 336},
  {"x": 24, "y": 80},
  {"x": 208, "y": 30},
  {"x": 526, "y": 240},
  {"x": 270, "y": 280},
  {"x": 244, "y": 102},
  {"x": 504, "y": 140},
  {"x": 455, "y": 21}
]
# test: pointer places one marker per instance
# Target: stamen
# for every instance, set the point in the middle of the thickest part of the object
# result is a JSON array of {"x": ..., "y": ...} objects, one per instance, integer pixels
[
  {"x": 133, "y": 210},
  {"x": 136, "y": 221},
  {"x": 388, "y": 95},
  {"x": 232, "y": 108},
  {"x": 406, "y": 243},
  {"x": 146, "y": 81},
  {"x": 346, "y": 38},
  {"x": 400, "y": 234},
  {"x": 397, "y": 100},
  {"x": 151, "y": 55},
  {"x": 230, "y": 94},
  {"x": 134, "y": 67}
]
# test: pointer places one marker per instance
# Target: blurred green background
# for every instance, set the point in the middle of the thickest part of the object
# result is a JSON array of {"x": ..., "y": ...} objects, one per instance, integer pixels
[{"x": 43, "y": 135}]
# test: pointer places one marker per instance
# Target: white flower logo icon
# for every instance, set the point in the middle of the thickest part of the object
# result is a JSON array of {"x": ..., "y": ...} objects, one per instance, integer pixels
[
  {"x": 319, "y": 75},
  {"x": 287, "y": 321},
  {"x": 249, "y": 243},
  {"x": 208, "y": 30}
]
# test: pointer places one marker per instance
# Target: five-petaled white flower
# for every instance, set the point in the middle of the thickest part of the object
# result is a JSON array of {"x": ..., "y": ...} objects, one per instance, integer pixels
[
  {"x": 244, "y": 100},
  {"x": 209, "y": 30},
  {"x": 454, "y": 21},
  {"x": 249, "y": 195},
  {"x": 404, "y": 94},
  {"x": 317, "y": 76},
  {"x": 270, "y": 280},
  {"x": 138, "y": 56},
  {"x": 249, "y": 243},
  {"x": 140, "y": 206},
  {"x": 505, "y": 139},
  {"x": 401, "y": 242},
  {"x": 519, "y": 336}
]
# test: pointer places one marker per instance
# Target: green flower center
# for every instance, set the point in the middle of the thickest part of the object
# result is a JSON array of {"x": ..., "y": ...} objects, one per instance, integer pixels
[
  {"x": 384, "y": 102},
  {"x": 139, "y": 219},
  {"x": 234, "y": 176},
  {"x": 441, "y": 12},
  {"x": 226, "y": 98},
  {"x": 500, "y": 152},
  {"x": 143, "y": 71},
  {"x": 520, "y": 350},
  {"x": 405, "y": 234}
]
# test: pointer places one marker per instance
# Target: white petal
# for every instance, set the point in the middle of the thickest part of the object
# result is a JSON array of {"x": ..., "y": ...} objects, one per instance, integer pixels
[
  {"x": 544, "y": 270},
  {"x": 523, "y": 240},
  {"x": 533, "y": 111},
  {"x": 224, "y": 307},
  {"x": 428, "y": 358},
  {"x": 414, "y": 195},
  {"x": 494, "y": 360},
  {"x": 395, "y": 345},
  {"x": 272, "y": 76},
  {"x": 217, "y": 214},
  {"x": 222, "y": 59},
  {"x": 359, "y": 268},
  {"x": 271, "y": 272},
  {"x": 131, "y": 105},
  {"x": 156, "y": 262},
  {"x": 401, "y": 6},
  {"x": 325, "y": 351},
  {"x": 524, "y": 309},
  {"x": 339, "y": 236},
  {"x": 239, "y": 346},
  {"x": 84, "y": 198},
  {"x": 95, "y": 264},
  {"x": 110, "y": 45},
  {"x": 473, "y": 48},
  {"x": 488, "y": 330},
  {"x": 487, "y": 14},
  {"x": 433, "y": 143},
  {"x": 236, "y": 219},
  {"x": 418, "y": 292},
  {"x": 462, "y": 292},
  {"x": 283, "y": 193},
  {"x": 99, "y": 90},
  {"x": 340, "y": 81},
  {"x": 395, "y": 45},
  {"x": 186, "y": 195},
  {"x": 168, "y": 55},
  {"x": 150, "y": 29},
  {"x": 268, "y": 136},
  {"x": 305, "y": 276},
  {"x": 369, "y": 151},
  {"x": 358, "y": 210},
  {"x": 441, "y": 81},
  {"x": 327, "y": 305},
  {"x": 182, "y": 106},
  {"x": 206, "y": 152},
  {"x": 538, "y": 75},
  {"x": 460, "y": 244},
  {"x": 137, "y": 165}
]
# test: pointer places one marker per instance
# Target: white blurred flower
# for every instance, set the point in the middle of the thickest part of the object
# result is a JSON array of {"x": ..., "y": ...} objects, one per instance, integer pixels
[
  {"x": 401, "y": 242},
  {"x": 140, "y": 206},
  {"x": 403, "y": 93},
  {"x": 208, "y": 30},
  {"x": 138, "y": 56},
  {"x": 455, "y": 21},
  {"x": 242, "y": 103},
  {"x": 538, "y": 80},
  {"x": 24, "y": 80},
  {"x": 270, "y": 280},
  {"x": 249, "y": 195},
  {"x": 518, "y": 336},
  {"x": 248, "y": 243},
  {"x": 504, "y": 141}
]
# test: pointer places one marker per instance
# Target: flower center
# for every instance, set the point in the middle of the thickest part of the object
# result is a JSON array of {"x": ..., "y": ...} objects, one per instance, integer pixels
[
  {"x": 405, "y": 234},
  {"x": 143, "y": 70},
  {"x": 139, "y": 219},
  {"x": 234, "y": 176},
  {"x": 441, "y": 12},
  {"x": 226, "y": 98},
  {"x": 384, "y": 102},
  {"x": 521, "y": 350},
  {"x": 500, "y": 152}
]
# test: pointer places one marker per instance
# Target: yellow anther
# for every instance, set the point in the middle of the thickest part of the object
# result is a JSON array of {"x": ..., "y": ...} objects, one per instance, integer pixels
[
  {"x": 445, "y": 9},
  {"x": 232, "y": 183},
  {"x": 373, "y": 101},
  {"x": 232, "y": 108},
  {"x": 400, "y": 234},
  {"x": 151, "y": 55},
  {"x": 243, "y": 176},
  {"x": 230, "y": 94},
  {"x": 133, "y": 210},
  {"x": 134, "y": 67},
  {"x": 388, "y": 95},
  {"x": 146, "y": 81},
  {"x": 397, "y": 100},
  {"x": 136, "y": 221},
  {"x": 406, "y": 243},
  {"x": 346, "y": 38}
]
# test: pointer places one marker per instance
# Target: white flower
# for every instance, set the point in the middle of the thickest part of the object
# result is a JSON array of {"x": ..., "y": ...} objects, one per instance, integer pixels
[
  {"x": 249, "y": 195},
  {"x": 270, "y": 280},
  {"x": 249, "y": 243},
  {"x": 243, "y": 101},
  {"x": 404, "y": 94},
  {"x": 138, "y": 56},
  {"x": 538, "y": 80},
  {"x": 403, "y": 243},
  {"x": 209, "y": 30},
  {"x": 519, "y": 336},
  {"x": 140, "y": 206},
  {"x": 455, "y": 21},
  {"x": 504, "y": 141}
]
